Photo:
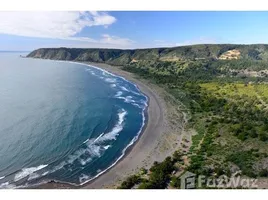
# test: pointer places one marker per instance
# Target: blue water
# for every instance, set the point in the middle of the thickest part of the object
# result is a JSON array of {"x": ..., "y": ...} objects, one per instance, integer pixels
[{"x": 63, "y": 121}]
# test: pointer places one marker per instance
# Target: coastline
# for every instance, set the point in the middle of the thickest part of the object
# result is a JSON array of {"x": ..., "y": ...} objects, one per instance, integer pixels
[{"x": 138, "y": 155}]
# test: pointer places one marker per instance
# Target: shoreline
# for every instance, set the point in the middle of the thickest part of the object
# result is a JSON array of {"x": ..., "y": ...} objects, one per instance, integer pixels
[{"x": 135, "y": 154}]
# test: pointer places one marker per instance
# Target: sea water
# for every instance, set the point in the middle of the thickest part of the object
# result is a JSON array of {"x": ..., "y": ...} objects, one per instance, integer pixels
[{"x": 63, "y": 121}]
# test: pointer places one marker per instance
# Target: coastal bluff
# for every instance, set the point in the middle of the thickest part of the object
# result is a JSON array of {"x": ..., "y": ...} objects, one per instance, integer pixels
[{"x": 122, "y": 57}]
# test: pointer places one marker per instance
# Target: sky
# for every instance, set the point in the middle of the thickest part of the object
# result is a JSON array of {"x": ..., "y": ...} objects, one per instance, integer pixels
[{"x": 26, "y": 31}]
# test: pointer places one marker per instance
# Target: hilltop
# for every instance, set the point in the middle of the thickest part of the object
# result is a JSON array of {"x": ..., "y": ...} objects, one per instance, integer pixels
[{"x": 121, "y": 57}]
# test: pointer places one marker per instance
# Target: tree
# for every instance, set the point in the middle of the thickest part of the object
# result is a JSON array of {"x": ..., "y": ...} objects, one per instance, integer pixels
[{"x": 263, "y": 136}]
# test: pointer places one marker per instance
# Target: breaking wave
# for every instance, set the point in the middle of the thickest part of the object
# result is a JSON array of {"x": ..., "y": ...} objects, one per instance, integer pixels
[
  {"x": 27, "y": 171},
  {"x": 110, "y": 80},
  {"x": 118, "y": 94},
  {"x": 93, "y": 148},
  {"x": 6, "y": 185},
  {"x": 120, "y": 157}
]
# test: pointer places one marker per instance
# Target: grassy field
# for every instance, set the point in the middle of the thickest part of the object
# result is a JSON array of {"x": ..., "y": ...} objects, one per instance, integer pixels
[
  {"x": 233, "y": 141},
  {"x": 234, "y": 89}
]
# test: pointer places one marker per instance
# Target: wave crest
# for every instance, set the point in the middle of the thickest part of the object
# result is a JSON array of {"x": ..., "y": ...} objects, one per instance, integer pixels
[
  {"x": 94, "y": 147},
  {"x": 27, "y": 171},
  {"x": 6, "y": 185}
]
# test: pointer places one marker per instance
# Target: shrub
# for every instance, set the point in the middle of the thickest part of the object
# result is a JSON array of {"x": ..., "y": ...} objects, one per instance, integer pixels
[{"x": 130, "y": 182}]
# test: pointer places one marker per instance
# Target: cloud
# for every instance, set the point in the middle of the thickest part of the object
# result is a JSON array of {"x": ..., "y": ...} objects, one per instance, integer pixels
[
  {"x": 200, "y": 40},
  {"x": 159, "y": 41},
  {"x": 59, "y": 25},
  {"x": 107, "y": 39},
  {"x": 163, "y": 43}
]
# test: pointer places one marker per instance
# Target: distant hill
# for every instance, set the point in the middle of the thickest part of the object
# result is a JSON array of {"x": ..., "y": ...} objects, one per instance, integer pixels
[{"x": 121, "y": 57}]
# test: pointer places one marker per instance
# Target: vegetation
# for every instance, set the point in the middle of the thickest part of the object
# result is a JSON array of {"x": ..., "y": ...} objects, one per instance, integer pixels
[
  {"x": 183, "y": 53},
  {"x": 228, "y": 112},
  {"x": 158, "y": 176},
  {"x": 226, "y": 96},
  {"x": 130, "y": 182}
]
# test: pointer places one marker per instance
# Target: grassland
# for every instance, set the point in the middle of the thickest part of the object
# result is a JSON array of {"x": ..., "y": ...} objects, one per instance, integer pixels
[{"x": 229, "y": 119}]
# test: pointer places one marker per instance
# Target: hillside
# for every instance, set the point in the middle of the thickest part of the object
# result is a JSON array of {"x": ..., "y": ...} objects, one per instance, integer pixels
[{"x": 121, "y": 57}]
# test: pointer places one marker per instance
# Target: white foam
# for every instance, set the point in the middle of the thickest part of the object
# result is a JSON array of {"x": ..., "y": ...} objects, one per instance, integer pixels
[
  {"x": 27, "y": 171},
  {"x": 83, "y": 177},
  {"x": 145, "y": 102},
  {"x": 98, "y": 137},
  {"x": 118, "y": 94},
  {"x": 2, "y": 177},
  {"x": 120, "y": 77},
  {"x": 107, "y": 147},
  {"x": 112, "y": 134},
  {"x": 117, "y": 128},
  {"x": 45, "y": 173},
  {"x": 121, "y": 116},
  {"x": 93, "y": 146},
  {"x": 127, "y": 99},
  {"x": 110, "y": 80},
  {"x": 94, "y": 150},
  {"x": 124, "y": 150},
  {"x": 6, "y": 185},
  {"x": 85, "y": 161},
  {"x": 86, "y": 141},
  {"x": 90, "y": 71},
  {"x": 104, "y": 73},
  {"x": 124, "y": 88},
  {"x": 137, "y": 105},
  {"x": 131, "y": 91},
  {"x": 113, "y": 85},
  {"x": 76, "y": 155},
  {"x": 2, "y": 185},
  {"x": 33, "y": 176}
]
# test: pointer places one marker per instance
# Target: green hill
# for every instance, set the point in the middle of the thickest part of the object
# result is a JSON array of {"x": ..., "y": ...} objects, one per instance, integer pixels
[{"x": 121, "y": 57}]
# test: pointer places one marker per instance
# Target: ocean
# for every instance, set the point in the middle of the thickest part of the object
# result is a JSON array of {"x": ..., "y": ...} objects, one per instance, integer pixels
[{"x": 63, "y": 121}]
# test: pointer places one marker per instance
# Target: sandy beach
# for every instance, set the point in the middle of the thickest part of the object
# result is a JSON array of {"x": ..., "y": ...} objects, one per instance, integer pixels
[
  {"x": 137, "y": 157},
  {"x": 157, "y": 141}
]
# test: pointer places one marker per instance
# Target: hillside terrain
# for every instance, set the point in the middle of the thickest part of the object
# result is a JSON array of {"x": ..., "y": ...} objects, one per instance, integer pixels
[
  {"x": 120, "y": 57},
  {"x": 224, "y": 88}
]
